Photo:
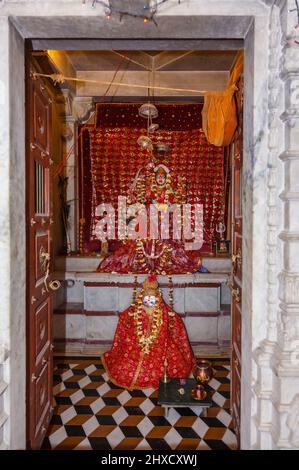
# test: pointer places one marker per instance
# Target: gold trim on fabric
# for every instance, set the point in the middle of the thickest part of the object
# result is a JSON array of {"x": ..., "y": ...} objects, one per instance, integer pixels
[
  {"x": 138, "y": 369},
  {"x": 117, "y": 383}
]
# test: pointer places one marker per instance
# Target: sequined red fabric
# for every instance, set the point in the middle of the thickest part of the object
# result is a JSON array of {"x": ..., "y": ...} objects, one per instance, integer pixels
[
  {"x": 110, "y": 158},
  {"x": 128, "y": 367}
]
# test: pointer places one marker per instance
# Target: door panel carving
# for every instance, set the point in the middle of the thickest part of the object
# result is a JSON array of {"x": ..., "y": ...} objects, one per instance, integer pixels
[
  {"x": 42, "y": 243},
  {"x": 42, "y": 328},
  {"x": 43, "y": 397},
  {"x": 41, "y": 116},
  {"x": 39, "y": 248}
]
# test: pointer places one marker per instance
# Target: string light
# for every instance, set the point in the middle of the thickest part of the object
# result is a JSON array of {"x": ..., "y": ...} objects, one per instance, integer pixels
[
  {"x": 108, "y": 14},
  {"x": 151, "y": 10}
]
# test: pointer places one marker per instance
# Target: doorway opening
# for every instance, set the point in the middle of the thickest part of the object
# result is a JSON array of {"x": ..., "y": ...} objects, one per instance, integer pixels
[{"x": 82, "y": 147}]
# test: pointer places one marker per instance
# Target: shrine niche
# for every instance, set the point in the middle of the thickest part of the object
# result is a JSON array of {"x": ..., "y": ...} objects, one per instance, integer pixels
[
  {"x": 181, "y": 168},
  {"x": 133, "y": 183},
  {"x": 268, "y": 33}
]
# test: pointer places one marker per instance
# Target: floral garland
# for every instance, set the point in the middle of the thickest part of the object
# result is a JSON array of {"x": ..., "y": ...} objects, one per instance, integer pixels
[
  {"x": 140, "y": 190},
  {"x": 134, "y": 294},
  {"x": 141, "y": 258},
  {"x": 146, "y": 341},
  {"x": 181, "y": 191},
  {"x": 171, "y": 302}
]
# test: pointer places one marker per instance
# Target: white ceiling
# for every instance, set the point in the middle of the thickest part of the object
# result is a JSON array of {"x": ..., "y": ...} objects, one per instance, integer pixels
[
  {"x": 128, "y": 73},
  {"x": 140, "y": 60}
]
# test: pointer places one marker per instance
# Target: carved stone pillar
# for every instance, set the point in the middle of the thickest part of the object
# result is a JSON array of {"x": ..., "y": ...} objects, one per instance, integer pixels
[
  {"x": 67, "y": 164},
  {"x": 286, "y": 385},
  {"x": 73, "y": 110},
  {"x": 82, "y": 108},
  {"x": 263, "y": 387}
]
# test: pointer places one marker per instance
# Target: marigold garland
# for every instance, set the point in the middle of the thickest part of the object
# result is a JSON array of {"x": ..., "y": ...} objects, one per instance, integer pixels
[
  {"x": 146, "y": 341},
  {"x": 134, "y": 294},
  {"x": 141, "y": 258}
]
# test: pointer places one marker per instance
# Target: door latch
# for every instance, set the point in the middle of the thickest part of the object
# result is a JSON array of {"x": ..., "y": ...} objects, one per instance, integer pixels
[{"x": 45, "y": 259}]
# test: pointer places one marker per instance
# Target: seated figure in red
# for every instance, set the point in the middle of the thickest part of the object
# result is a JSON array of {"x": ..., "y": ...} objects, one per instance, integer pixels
[
  {"x": 148, "y": 255},
  {"x": 149, "y": 337}
]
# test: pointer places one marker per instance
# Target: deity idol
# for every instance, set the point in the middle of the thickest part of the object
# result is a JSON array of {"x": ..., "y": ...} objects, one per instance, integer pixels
[
  {"x": 149, "y": 255},
  {"x": 149, "y": 337}
]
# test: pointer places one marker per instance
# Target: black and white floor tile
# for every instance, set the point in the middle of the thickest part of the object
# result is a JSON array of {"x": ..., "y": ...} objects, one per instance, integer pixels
[{"x": 92, "y": 413}]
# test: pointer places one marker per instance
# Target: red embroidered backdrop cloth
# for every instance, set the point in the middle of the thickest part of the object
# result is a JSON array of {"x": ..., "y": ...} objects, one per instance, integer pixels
[{"x": 110, "y": 157}]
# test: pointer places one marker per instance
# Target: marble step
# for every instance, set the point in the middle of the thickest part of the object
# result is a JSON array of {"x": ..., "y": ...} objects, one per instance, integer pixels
[
  {"x": 90, "y": 263},
  {"x": 69, "y": 308},
  {"x": 113, "y": 293},
  {"x": 203, "y": 297},
  {"x": 80, "y": 326},
  {"x": 98, "y": 349},
  {"x": 3, "y": 446}
]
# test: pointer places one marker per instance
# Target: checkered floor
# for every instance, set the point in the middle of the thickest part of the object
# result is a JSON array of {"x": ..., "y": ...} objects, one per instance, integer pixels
[{"x": 93, "y": 413}]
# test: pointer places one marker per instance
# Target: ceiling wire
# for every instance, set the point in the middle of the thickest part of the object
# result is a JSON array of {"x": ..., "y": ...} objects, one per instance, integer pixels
[
  {"x": 113, "y": 78},
  {"x": 131, "y": 60},
  {"x": 125, "y": 69},
  {"x": 59, "y": 78}
]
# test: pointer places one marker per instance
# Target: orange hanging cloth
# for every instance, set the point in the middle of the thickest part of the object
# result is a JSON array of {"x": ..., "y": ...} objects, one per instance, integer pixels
[{"x": 219, "y": 114}]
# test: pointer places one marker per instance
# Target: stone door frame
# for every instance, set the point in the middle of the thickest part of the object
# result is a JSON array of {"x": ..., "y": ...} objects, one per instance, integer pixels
[{"x": 270, "y": 332}]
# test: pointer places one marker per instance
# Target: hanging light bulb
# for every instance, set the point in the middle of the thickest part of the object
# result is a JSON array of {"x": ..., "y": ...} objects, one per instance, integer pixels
[
  {"x": 148, "y": 110},
  {"x": 145, "y": 142},
  {"x": 153, "y": 127}
]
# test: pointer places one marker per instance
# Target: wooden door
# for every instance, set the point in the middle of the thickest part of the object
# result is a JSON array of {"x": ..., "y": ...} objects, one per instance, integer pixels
[
  {"x": 39, "y": 262},
  {"x": 236, "y": 276}
]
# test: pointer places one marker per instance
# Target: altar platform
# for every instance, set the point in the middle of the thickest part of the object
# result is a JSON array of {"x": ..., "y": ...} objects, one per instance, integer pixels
[{"x": 87, "y": 306}]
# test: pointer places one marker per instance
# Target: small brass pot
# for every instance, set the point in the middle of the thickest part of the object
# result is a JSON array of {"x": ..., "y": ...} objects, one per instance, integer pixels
[{"x": 203, "y": 371}]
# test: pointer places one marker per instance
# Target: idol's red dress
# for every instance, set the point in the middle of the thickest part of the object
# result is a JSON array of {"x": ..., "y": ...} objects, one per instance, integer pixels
[
  {"x": 123, "y": 260},
  {"x": 179, "y": 260},
  {"x": 131, "y": 368}
]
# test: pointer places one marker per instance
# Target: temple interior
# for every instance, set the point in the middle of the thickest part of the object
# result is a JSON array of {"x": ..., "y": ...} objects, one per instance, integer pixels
[
  {"x": 97, "y": 156},
  {"x": 149, "y": 238},
  {"x": 135, "y": 230}
]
